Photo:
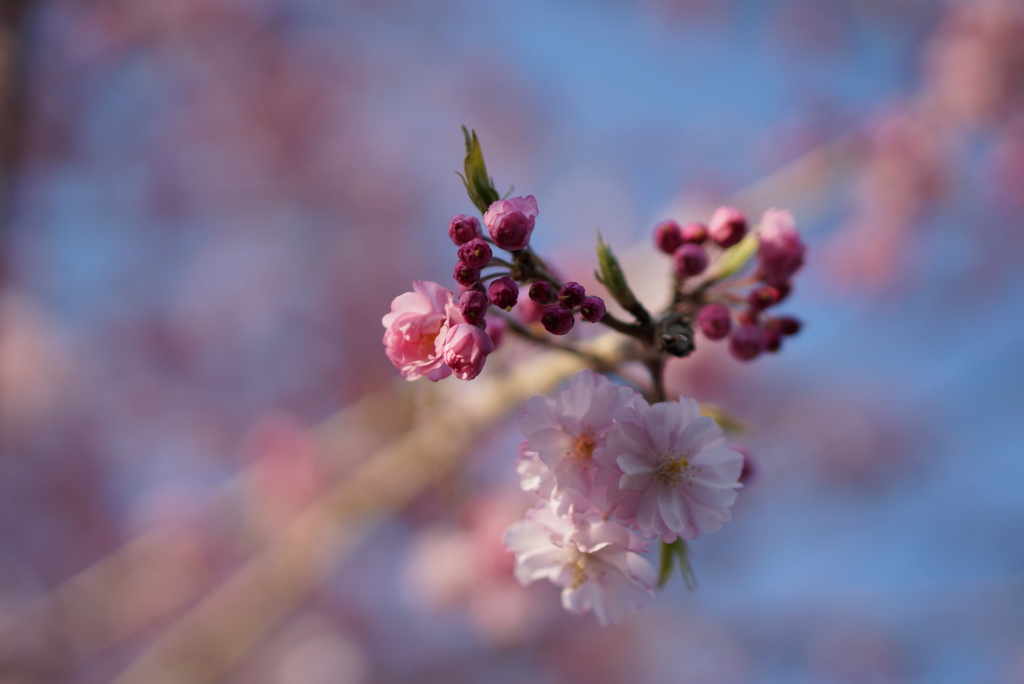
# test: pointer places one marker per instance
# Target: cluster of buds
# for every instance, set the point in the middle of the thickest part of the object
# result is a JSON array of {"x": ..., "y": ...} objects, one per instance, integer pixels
[
  {"x": 614, "y": 468},
  {"x": 706, "y": 257}
]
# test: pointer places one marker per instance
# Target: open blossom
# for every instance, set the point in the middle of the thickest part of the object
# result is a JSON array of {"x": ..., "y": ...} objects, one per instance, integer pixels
[
  {"x": 466, "y": 347},
  {"x": 678, "y": 477},
  {"x": 564, "y": 434},
  {"x": 510, "y": 222},
  {"x": 781, "y": 252},
  {"x": 416, "y": 329},
  {"x": 597, "y": 562}
]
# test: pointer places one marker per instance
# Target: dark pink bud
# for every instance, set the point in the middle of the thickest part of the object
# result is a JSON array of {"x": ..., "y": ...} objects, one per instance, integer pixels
[
  {"x": 772, "y": 339},
  {"x": 473, "y": 304},
  {"x": 465, "y": 275},
  {"x": 667, "y": 236},
  {"x": 695, "y": 233},
  {"x": 462, "y": 229},
  {"x": 571, "y": 295},
  {"x": 557, "y": 320},
  {"x": 781, "y": 252},
  {"x": 714, "y": 321},
  {"x": 592, "y": 309},
  {"x": 749, "y": 469},
  {"x": 476, "y": 253},
  {"x": 788, "y": 325},
  {"x": 762, "y": 297},
  {"x": 727, "y": 226},
  {"x": 690, "y": 260},
  {"x": 543, "y": 292},
  {"x": 503, "y": 293},
  {"x": 746, "y": 342}
]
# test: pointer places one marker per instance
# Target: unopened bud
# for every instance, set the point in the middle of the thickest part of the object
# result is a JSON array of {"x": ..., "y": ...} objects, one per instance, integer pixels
[
  {"x": 463, "y": 228},
  {"x": 746, "y": 342},
  {"x": 465, "y": 275},
  {"x": 727, "y": 226},
  {"x": 667, "y": 236},
  {"x": 503, "y": 293},
  {"x": 714, "y": 321},
  {"x": 473, "y": 304},
  {"x": 762, "y": 297},
  {"x": 571, "y": 295},
  {"x": 557, "y": 320},
  {"x": 690, "y": 260},
  {"x": 696, "y": 233},
  {"x": 476, "y": 253},
  {"x": 592, "y": 309},
  {"x": 543, "y": 292}
]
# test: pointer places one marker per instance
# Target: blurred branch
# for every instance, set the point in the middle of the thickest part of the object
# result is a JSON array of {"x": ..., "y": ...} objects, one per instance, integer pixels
[{"x": 13, "y": 107}]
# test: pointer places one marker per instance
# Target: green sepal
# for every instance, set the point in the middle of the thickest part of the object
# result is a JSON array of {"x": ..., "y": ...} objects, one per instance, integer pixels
[
  {"x": 669, "y": 552},
  {"x": 728, "y": 422},
  {"x": 610, "y": 274},
  {"x": 737, "y": 256},
  {"x": 479, "y": 185}
]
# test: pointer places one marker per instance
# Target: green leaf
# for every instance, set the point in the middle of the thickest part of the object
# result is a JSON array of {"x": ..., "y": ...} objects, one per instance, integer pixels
[
  {"x": 609, "y": 273},
  {"x": 669, "y": 552},
  {"x": 736, "y": 257},
  {"x": 479, "y": 186},
  {"x": 665, "y": 566}
]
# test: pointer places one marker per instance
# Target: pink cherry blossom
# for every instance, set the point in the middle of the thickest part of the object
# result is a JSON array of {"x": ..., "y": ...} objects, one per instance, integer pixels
[
  {"x": 416, "y": 330},
  {"x": 597, "y": 562},
  {"x": 678, "y": 477},
  {"x": 781, "y": 253},
  {"x": 566, "y": 433},
  {"x": 466, "y": 347},
  {"x": 510, "y": 222}
]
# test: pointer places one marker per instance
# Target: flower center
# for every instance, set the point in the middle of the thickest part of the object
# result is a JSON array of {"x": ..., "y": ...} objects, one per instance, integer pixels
[
  {"x": 584, "y": 446},
  {"x": 577, "y": 570},
  {"x": 673, "y": 468}
]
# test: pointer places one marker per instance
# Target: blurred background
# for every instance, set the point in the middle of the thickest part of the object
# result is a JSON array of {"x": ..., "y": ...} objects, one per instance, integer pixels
[{"x": 209, "y": 472}]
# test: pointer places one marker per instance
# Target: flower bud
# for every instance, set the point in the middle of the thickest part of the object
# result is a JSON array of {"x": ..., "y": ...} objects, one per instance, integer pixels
[
  {"x": 465, "y": 349},
  {"x": 543, "y": 292},
  {"x": 462, "y": 229},
  {"x": 592, "y": 309},
  {"x": 746, "y": 342},
  {"x": 772, "y": 339},
  {"x": 667, "y": 236},
  {"x": 571, "y": 295},
  {"x": 476, "y": 253},
  {"x": 714, "y": 321},
  {"x": 727, "y": 226},
  {"x": 503, "y": 293},
  {"x": 690, "y": 260},
  {"x": 762, "y": 297},
  {"x": 788, "y": 325},
  {"x": 781, "y": 252},
  {"x": 557, "y": 320},
  {"x": 473, "y": 304},
  {"x": 510, "y": 222},
  {"x": 465, "y": 275},
  {"x": 696, "y": 233}
]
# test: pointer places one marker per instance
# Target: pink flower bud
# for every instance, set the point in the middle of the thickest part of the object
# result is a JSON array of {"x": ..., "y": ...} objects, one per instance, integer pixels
[
  {"x": 696, "y": 233},
  {"x": 727, "y": 226},
  {"x": 690, "y": 260},
  {"x": 746, "y": 342},
  {"x": 762, "y": 297},
  {"x": 465, "y": 275},
  {"x": 473, "y": 304},
  {"x": 510, "y": 222},
  {"x": 476, "y": 253},
  {"x": 557, "y": 320},
  {"x": 465, "y": 349},
  {"x": 772, "y": 339},
  {"x": 462, "y": 229},
  {"x": 789, "y": 325},
  {"x": 543, "y": 292},
  {"x": 667, "y": 236},
  {"x": 592, "y": 309},
  {"x": 571, "y": 295},
  {"x": 714, "y": 321},
  {"x": 415, "y": 330},
  {"x": 503, "y": 293},
  {"x": 781, "y": 252}
]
